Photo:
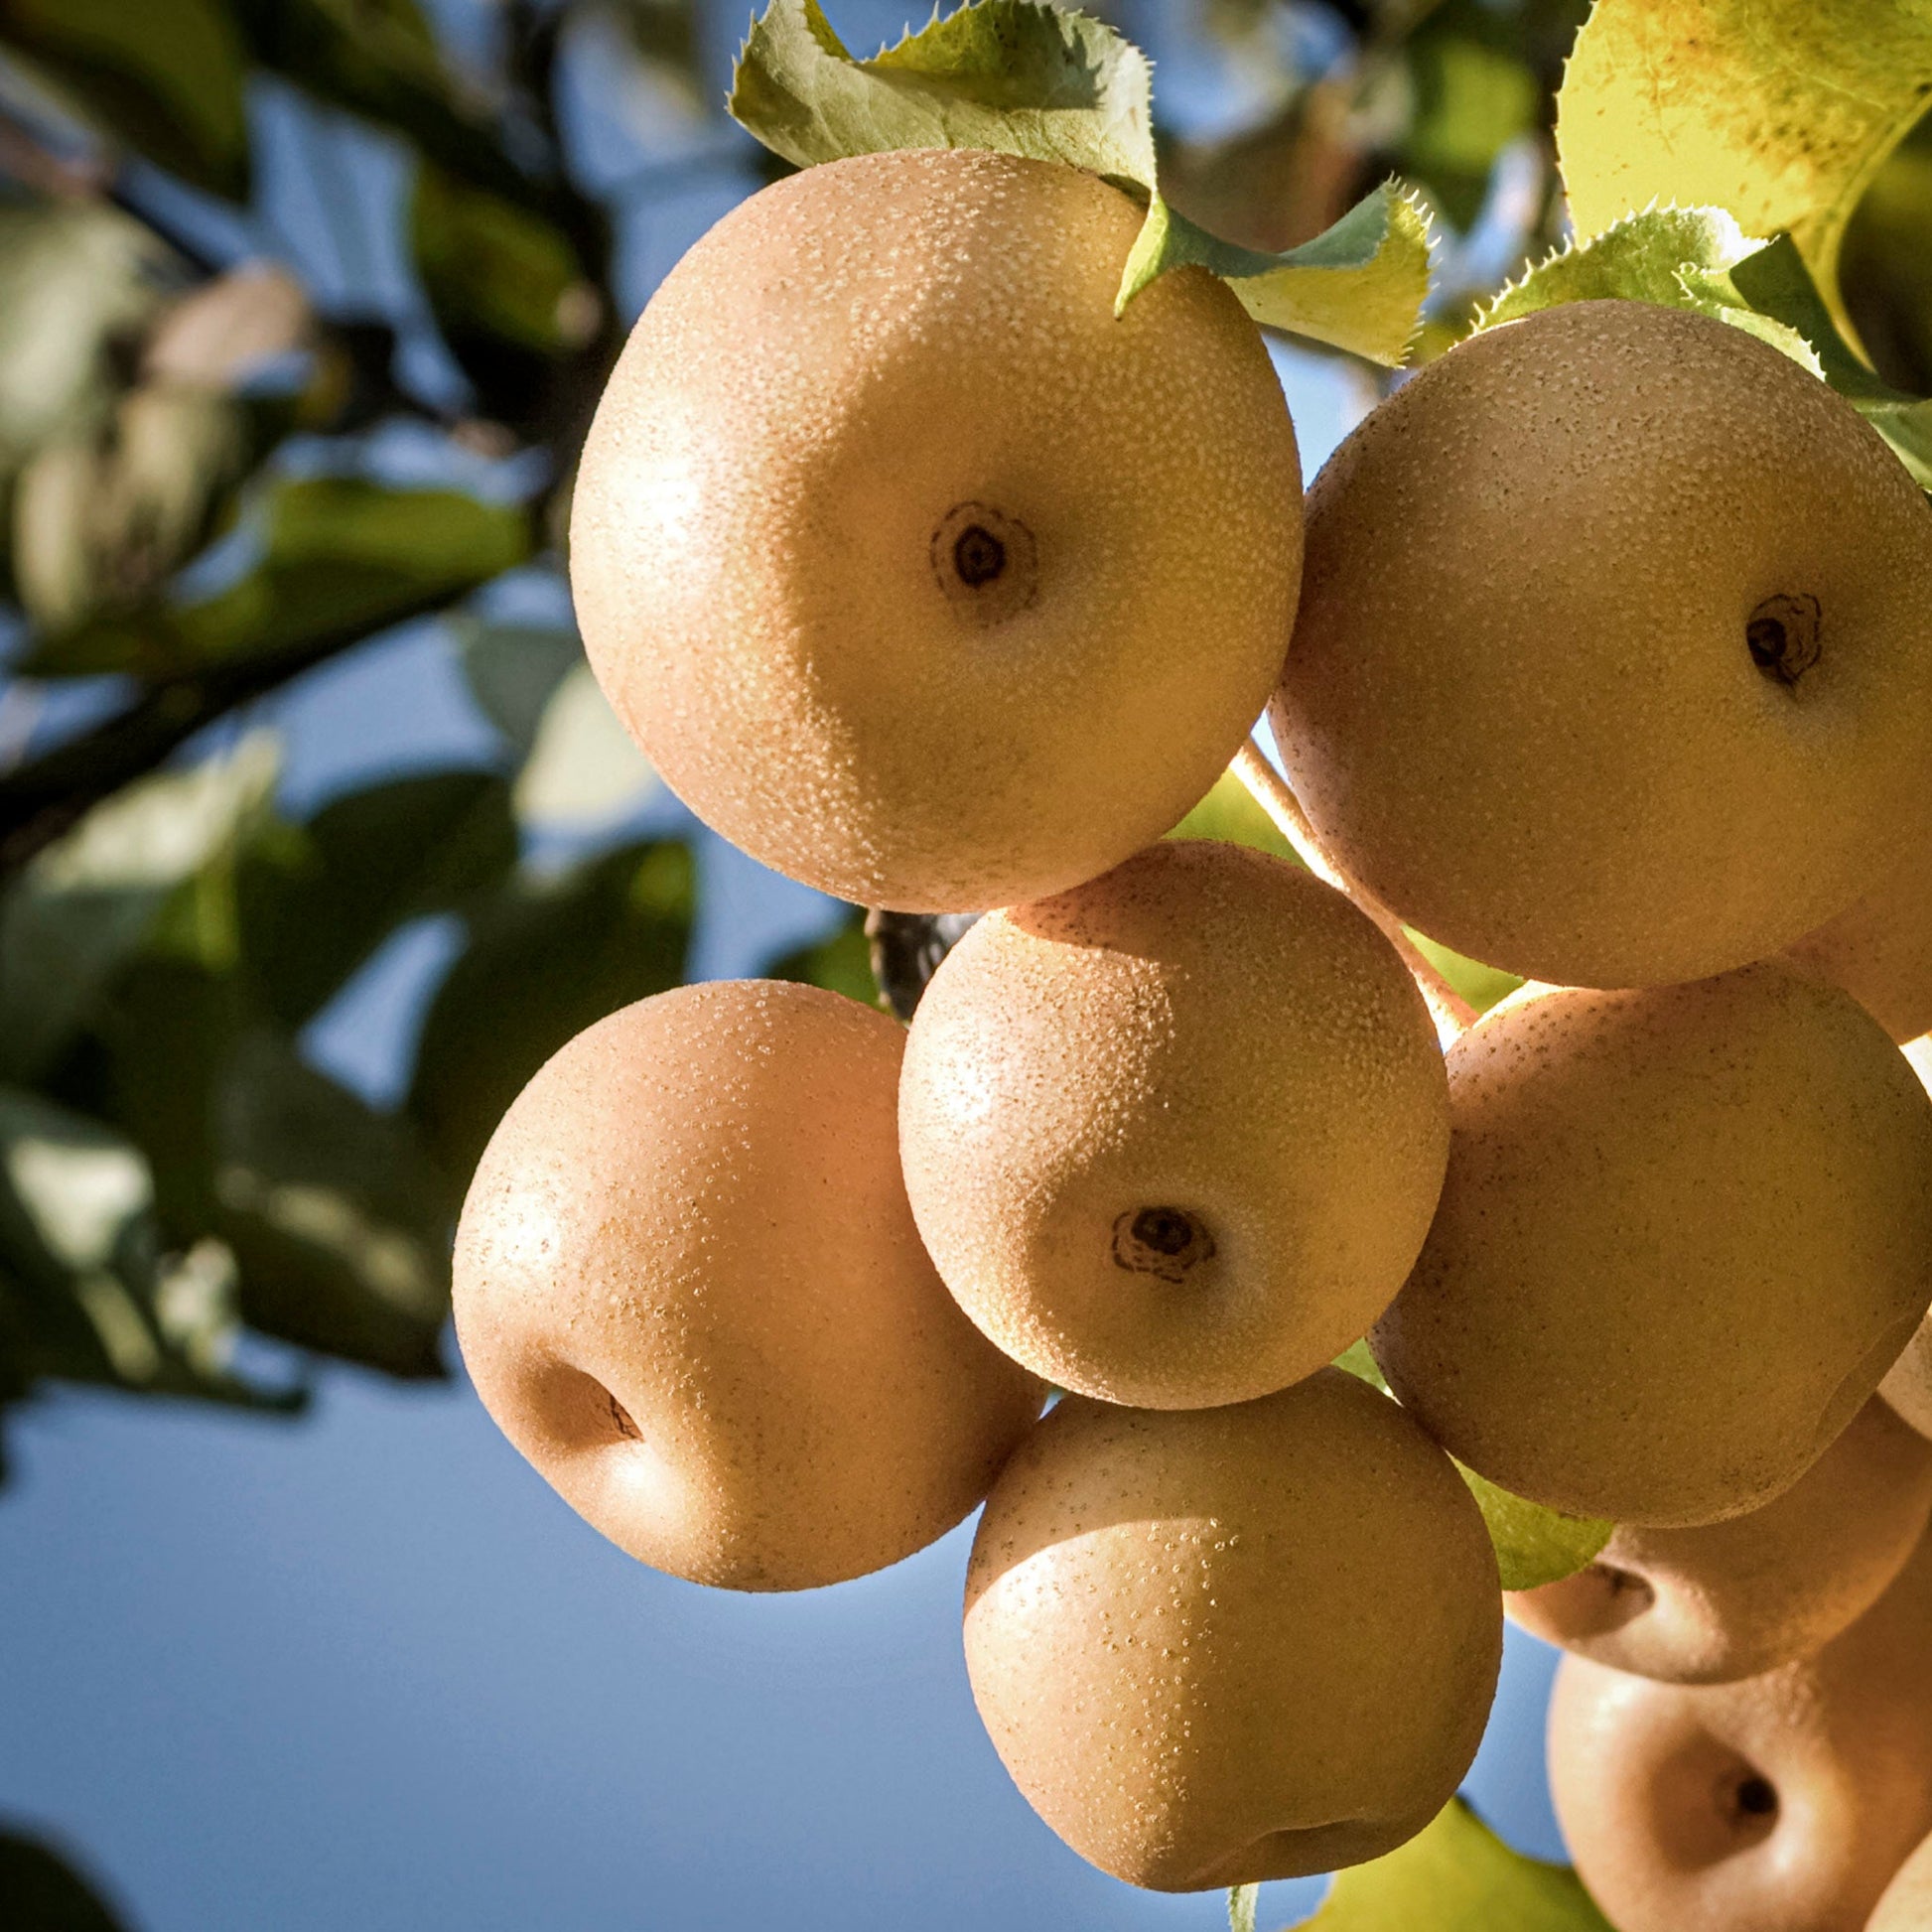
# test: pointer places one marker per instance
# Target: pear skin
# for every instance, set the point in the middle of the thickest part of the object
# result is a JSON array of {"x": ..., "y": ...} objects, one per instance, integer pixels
[
  {"x": 1215, "y": 1646},
  {"x": 916, "y": 572},
  {"x": 1784, "y": 1803},
  {"x": 1732, "y": 1599},
  {"x": 1685, "y": 1231},
  {"x": 689, "y": 1290}
]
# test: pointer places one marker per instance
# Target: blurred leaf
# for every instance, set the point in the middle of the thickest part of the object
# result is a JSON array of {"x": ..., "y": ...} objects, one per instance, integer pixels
[
  {"x": 584, "y": 768},
  {"x": 90, "y": 1294},
  {"x": 1887, "y": 268},
  {"x": 1013, "y": 76},
  {"x": 491, "y": 268},
  {"x": 512, "y": 670},
  {"x": 841, "y": 962},
  {"x": 164, "y": 76},
  {"x": 315, "y": 900},
  {"x": 339, "y": 554},
  {"x": 546, "y": 959},
  {"x": 1779, "y": 111},
  {"x": 1358, "y": 286},
  {"x": 1456, "y": 1876},
  {"x": 1482, "y": 985},
  {"x": 1361, "y": 1364},
  {"x": 73, "y": 277},
  {"x": 1474, "y": 94},
  {"x": 220, "y": 335},
  {"x": 1229, "y": 813},
  {"x": 44, "y": 1892},
  {"x": 340, "y": 1225},
  {"x": 1535, "y": 1543},
  {"x": 101, "y": 518},
  {"x": 86, "y": 905},
  {"x": 380, "y": 59},
  {"x": 1699, "y": 259},
  {"x": 664, "y": 33}
]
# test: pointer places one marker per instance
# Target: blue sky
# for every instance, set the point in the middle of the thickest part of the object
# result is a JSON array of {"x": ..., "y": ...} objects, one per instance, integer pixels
[{"x": 365, "y": 1670}]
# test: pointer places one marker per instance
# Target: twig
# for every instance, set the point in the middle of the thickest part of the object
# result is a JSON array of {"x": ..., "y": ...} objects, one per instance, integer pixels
[{"x": 1454, "y": 1014}]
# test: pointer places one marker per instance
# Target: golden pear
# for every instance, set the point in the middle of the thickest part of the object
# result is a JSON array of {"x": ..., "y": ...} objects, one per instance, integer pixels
[
  {"x": 1614, "y": 657},
  {"x": 915, "y": 571},
  {"x": 1220, "y": 1645},
  {"x": 1784, "y": 1803},
  {"x": 1173, "y": 1138},
  {"x": 1685, "y": 1231},
  {"x": 689, "y": 1289},
  {"x": 1908, "y": 1904},
  {"x": 1732, "y": 1599},
  {"x": 1908, "y": 1382},
  {"x": 1879, "y": 949}
]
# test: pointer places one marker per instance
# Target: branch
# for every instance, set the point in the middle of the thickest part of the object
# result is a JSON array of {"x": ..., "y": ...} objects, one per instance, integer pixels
[
  {"x": 1454, "y": 1014},
  {"x": 47, "y": 797}
]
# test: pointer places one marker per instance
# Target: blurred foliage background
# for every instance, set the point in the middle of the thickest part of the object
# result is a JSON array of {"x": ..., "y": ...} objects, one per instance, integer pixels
[{"x": 304, "y": 309}]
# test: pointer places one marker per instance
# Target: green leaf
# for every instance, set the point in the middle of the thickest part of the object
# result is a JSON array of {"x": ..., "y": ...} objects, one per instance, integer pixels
[
  {"x": 1474, "y": 92},
  {"x": 339, "y": 554},
  {"x": 45, "y": 1893},
  {"x": 1699, "y": 259},
  {"x": 841, "y": 962},
  {"x": 1024, "y": 79},
  {"x": 1456, "y": 1876},
  {"x": 1482, "y": 985},
  {"x": 1358, "y": 285},
  {"x": 75, "y": 280},
  {"x": 1779, "y": 111},
  {"x": 340, "y": 1224},
  {"x": 548, "y": 957},
  {"x": 166, "y": 76},
  {"x": 1229, "y": 813},
  {"x": 584, "y": 768},
  {"x": 88, "y": 904},
  {"x": 1011, "y": 76},
  {"x": 512, "y": 669},
  {"x": 1534, "y": 1545},
  {"x": 315, "y": 900},
  {"x": 1361, "y": 1363}
]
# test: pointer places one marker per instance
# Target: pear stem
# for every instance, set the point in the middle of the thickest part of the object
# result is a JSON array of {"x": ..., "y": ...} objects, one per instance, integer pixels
[{"x": 1453, "y": 1015}]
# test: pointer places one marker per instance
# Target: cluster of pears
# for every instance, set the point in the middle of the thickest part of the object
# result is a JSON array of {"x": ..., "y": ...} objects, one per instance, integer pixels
[{"x": 1602, "y": 651}]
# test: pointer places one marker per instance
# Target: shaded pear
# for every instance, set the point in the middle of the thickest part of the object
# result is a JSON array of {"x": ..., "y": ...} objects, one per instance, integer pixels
[
  {"x": 1784, "y": 1803},
  {"x": 1908, "y": 1382},
  {"x": 1173, "y": 1138},
  {"x": 1732, "y": 1599},
  {"x": 1614, "y": 663},
  {"x": 1214, "y": 1646},
  {"x": 1908, "y": 1904},
  {"x": 1685, "y": 1231},
  {"x": 1879, "y": 948},
  {"x": 688, "y": 1288},
  {"x": 916, "y": 572}
]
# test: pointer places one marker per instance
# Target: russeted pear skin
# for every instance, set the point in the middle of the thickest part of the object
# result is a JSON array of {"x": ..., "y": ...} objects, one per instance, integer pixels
[
  {"x": 1173, "y": 1138},
  {"x": 1732, "y": 1599},
  {"x": 689, "y": 1290},
  {"x": 916, "y": 573},
  {"x": 1908, "y": 1904},
  {"x": 1643, "y": 612},
  {"x": 1908, "y": 1382},
  {"x": 1214, "y": 1646},
  {"x": 1784, "y": 1803},
  {"x": 1879, "y": 949},
  {"x": 1685, "y": 1231}
]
